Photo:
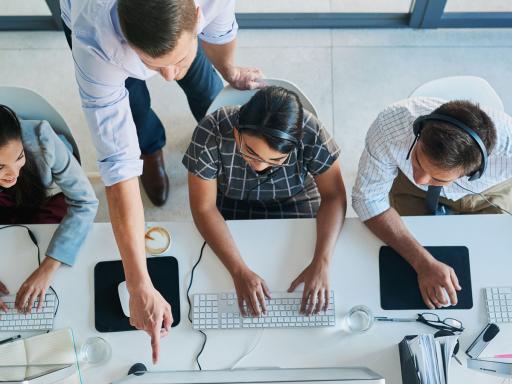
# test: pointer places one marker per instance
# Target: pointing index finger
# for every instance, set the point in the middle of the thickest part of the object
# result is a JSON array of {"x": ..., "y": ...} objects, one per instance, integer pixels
[{"x": 155, "y": 343}]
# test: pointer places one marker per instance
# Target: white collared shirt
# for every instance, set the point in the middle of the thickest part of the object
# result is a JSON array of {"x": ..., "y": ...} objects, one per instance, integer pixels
[
  {"x": 104, "y": 60},
  {"x": 390, "y": 138}
]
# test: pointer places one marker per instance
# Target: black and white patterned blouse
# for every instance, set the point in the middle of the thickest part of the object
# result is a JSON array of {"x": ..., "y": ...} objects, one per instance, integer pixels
[{"x": 280, "y": 192}]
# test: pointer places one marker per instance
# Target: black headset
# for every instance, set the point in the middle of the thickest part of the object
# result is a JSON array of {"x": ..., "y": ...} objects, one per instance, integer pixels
[
  {"x": 417, "y": 127},
  {"x": 271, "y": 132}
]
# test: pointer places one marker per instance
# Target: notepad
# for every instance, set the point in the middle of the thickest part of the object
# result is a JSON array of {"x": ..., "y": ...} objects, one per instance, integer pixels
[{"x": 53, "y": 348}]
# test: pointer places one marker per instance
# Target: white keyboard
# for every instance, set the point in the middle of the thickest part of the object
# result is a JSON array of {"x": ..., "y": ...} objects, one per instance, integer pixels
[
  {"x": 499, "y": 304},
  {"x": 36, "y": 320},
  {"x": 220, "y": 311}
]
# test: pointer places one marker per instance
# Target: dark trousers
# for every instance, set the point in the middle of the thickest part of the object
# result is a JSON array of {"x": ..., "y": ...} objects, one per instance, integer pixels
[{"x": 201, "y": 85}]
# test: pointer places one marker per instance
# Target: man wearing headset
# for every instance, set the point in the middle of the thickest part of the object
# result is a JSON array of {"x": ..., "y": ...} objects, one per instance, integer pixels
[{"x": 425, "y": 156}]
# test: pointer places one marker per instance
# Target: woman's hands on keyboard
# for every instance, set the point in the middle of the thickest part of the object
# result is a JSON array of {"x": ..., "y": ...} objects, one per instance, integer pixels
[
  {"x": 35, "y": 287},
  {"x": 315, "y": 297},
  {"x": 251, "y": 291}
]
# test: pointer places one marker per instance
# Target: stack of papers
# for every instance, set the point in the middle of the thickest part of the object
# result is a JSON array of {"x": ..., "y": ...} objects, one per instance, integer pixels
[{"x": 432, "y": 357}]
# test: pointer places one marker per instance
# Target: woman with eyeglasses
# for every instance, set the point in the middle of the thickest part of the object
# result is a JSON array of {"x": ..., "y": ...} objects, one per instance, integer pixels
[
  {"x": 42, "y": 183},
  {"x": 268, "y": 158}
]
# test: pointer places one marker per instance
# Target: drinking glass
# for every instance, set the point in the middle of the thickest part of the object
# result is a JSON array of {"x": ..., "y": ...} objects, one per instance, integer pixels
[{"x": 358, "y": 320}]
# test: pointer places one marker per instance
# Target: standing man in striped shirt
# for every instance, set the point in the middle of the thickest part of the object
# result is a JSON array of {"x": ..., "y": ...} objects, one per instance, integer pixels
[
  {"x": 117, "y": 45},
  {"x": 427, "y": 156}
]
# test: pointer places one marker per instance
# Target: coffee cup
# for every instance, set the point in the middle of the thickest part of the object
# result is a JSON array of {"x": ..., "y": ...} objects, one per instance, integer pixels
[{"x": 158, "y": 240}]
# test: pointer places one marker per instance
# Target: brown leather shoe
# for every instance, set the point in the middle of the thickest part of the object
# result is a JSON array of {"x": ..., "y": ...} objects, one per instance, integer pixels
[{"x": 154, "y": 178}]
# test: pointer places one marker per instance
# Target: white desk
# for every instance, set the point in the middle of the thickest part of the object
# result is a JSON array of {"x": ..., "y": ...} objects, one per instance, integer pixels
[{"x": 278, "y": 250}]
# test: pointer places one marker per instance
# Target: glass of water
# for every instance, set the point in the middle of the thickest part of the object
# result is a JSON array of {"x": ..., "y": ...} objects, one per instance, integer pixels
[
  {"x": 95, "y": 350},
  {"x": 359, "y": 319}
]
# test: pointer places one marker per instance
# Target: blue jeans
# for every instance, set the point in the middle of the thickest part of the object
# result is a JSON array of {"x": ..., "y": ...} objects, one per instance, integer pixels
[{"x": 201, "y": 85}]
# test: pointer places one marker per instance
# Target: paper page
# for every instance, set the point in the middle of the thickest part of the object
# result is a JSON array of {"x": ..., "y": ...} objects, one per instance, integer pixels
[
  {"x": 13, "y": 353},
  {"x": 426, "y": 370},
  {"x": 427, "y": 363},
  {"x": 73, "y": 379},
  {"x": 56, "y": 347},
  {"x": 447, "y": 344},
  {"x": 12, "y": 373},
  {"x": 439, "y": 361},
  {"x": 418, "y": 352},
  {"x": 434, "y": 371}
]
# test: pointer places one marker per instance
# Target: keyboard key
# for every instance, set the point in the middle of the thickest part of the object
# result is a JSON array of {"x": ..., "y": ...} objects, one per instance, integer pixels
[{"x": 499, "y": 304}]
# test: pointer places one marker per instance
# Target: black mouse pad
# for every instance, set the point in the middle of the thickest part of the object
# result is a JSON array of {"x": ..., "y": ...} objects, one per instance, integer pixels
[
  {"x": 108, "y": 313},
  {"x": 399, "y": 283}
]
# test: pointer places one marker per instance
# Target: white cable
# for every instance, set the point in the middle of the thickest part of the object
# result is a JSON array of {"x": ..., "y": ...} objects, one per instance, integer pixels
[
  {"x": 251, "y": 349},
  {"x": 483, "y": 197}
]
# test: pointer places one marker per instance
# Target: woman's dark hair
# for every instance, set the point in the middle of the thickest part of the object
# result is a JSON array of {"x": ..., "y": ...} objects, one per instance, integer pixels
[
  {"x": 452, "y": 147},
  {"x": 29, "y": 192},
  {"x": 273, "y": 108}
]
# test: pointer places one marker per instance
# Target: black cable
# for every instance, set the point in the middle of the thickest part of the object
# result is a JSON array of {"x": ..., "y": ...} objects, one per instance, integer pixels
[
  {"x": 34, "y": 240},
  {"x": 31, "y": 235},
  {"x": 483, "y": 197},
  {"x": 205, "y": 338}
]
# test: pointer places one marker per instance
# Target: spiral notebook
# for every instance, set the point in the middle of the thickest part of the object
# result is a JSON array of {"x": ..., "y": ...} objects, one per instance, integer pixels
[{"x": 28, "y": 357}]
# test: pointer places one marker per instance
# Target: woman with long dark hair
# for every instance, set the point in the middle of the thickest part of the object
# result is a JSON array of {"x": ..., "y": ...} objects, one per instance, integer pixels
[
  {"x": 40, "y": 183},
  {"x": 269, "y": 158}
]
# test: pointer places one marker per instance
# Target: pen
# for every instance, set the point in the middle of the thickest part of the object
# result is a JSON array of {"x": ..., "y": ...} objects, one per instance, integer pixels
[
  {"x": 394, "y": 319},
  {"x": 504, "y": 356},
  {"x": 10, "y": 339}
]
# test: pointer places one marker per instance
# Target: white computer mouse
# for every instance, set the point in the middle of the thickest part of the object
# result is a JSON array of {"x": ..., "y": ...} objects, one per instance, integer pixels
[
  {"x": 124, "y": 298},
  {"x": 447, "y": 298}
]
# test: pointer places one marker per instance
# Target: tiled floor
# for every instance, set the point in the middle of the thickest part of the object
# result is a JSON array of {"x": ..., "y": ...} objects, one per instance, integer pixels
[{"x": 348, "y": 74}]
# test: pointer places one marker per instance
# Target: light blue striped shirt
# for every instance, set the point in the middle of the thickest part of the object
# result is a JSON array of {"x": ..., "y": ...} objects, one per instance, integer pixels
[
  {"x": 388, "y": 141},
  {"x": 104, "y": 60}
]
